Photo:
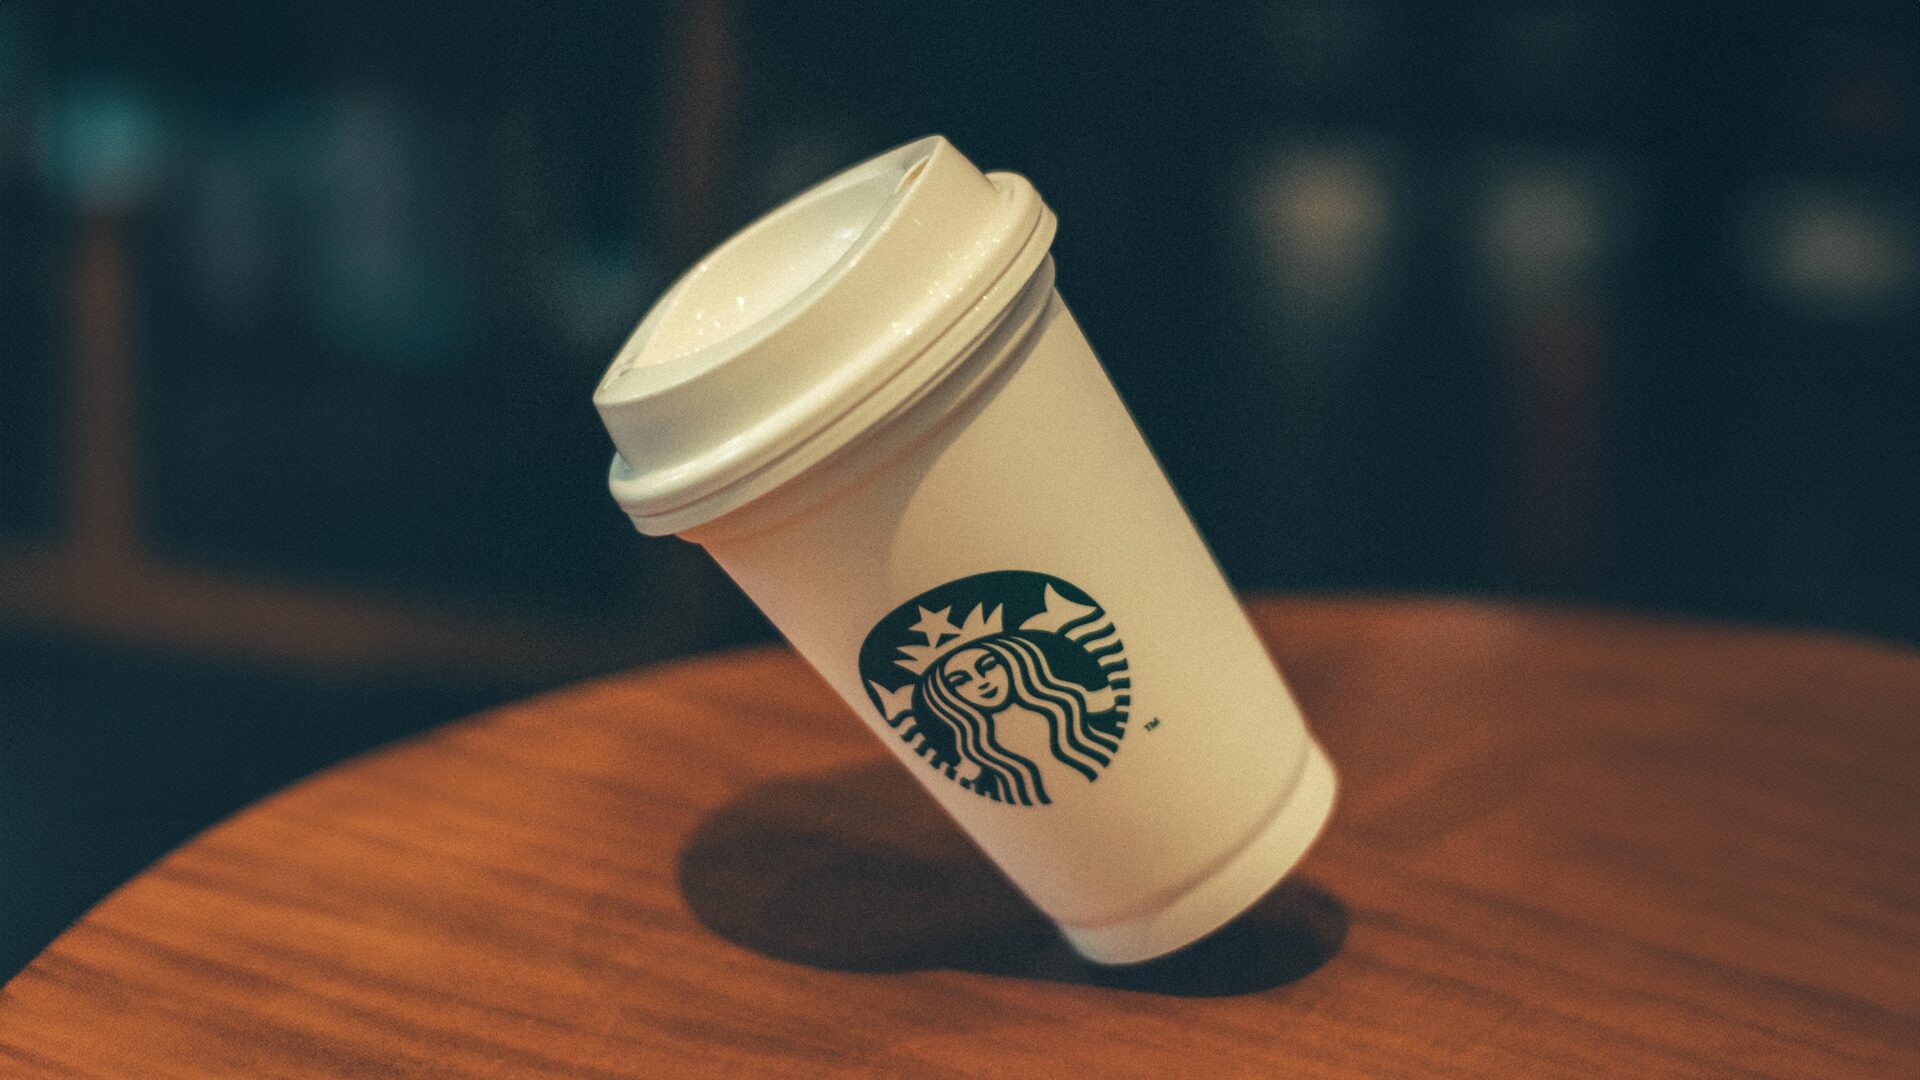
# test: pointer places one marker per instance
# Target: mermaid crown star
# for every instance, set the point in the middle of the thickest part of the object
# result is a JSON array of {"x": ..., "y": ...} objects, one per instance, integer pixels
[{"x": 943, "y": 636}]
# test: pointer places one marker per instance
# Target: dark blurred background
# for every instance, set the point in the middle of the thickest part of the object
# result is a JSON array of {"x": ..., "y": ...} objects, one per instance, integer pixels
[{"x": 301, "y": 308}]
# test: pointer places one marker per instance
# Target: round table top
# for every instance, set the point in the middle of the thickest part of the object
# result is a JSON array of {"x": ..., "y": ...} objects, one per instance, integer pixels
[{"x": 1567, "y": 842}]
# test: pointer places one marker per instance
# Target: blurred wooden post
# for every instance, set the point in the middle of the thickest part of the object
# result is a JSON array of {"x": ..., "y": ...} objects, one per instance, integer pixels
[
  {"x": 702, "y": 107},
  {"x": 103, "y": 475},
  {"x": 703, "y": 85},
  {"x": 1560, "y": 523}
]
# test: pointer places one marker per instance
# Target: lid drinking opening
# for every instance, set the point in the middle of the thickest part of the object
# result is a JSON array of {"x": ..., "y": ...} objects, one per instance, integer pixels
[{"x": 774, "y": 265}]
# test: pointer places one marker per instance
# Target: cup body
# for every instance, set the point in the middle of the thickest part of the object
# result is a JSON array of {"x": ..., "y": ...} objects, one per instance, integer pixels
[
  {"x": 876, "y": 413},
  {"x": 1013, "y": 598}
]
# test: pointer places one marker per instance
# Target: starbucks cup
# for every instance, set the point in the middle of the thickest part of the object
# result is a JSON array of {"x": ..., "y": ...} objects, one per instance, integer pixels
[{"x": 874, "y": 410}]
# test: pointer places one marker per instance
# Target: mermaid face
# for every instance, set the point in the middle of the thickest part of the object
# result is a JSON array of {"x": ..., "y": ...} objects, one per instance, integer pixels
[{"x": 976, "y": 677}]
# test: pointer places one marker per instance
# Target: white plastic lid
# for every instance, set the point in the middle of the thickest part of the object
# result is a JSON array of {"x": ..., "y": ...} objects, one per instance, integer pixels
[{"x": 812, "y": 325}]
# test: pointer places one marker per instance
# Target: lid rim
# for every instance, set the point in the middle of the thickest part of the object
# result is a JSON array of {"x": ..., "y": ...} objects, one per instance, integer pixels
[
  {"x": 939, "y": 360},
  {"x": 776, "y": 380}
]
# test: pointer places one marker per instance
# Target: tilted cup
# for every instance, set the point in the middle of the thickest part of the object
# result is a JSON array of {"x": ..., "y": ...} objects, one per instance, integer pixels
[{"x": 873, "y": 409}]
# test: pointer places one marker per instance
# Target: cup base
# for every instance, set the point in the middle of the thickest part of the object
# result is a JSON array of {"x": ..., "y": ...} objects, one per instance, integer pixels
[{"x": 1232, "y": 889}]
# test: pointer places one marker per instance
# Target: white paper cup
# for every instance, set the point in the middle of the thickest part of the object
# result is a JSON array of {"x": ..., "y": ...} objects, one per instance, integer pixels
[{"x": 874, "y": 411}]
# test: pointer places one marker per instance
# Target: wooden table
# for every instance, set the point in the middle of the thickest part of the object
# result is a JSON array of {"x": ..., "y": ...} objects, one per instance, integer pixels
[{"x": 1568, "y": 843}]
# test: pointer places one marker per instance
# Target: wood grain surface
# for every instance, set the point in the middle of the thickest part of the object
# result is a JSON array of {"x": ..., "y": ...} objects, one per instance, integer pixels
[{"x": 1567, "y": 844}]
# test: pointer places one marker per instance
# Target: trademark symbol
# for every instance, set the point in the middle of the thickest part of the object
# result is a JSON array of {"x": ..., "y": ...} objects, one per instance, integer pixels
[{"x": 1153, "y": 723}]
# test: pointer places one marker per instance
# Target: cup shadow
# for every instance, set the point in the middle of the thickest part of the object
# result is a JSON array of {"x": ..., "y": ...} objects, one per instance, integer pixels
[{"x": 857, "y": 870}]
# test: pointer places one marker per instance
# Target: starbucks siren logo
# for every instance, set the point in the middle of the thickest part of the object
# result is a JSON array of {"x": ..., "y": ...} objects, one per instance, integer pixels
[{"x": 1013, "y": 684}]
